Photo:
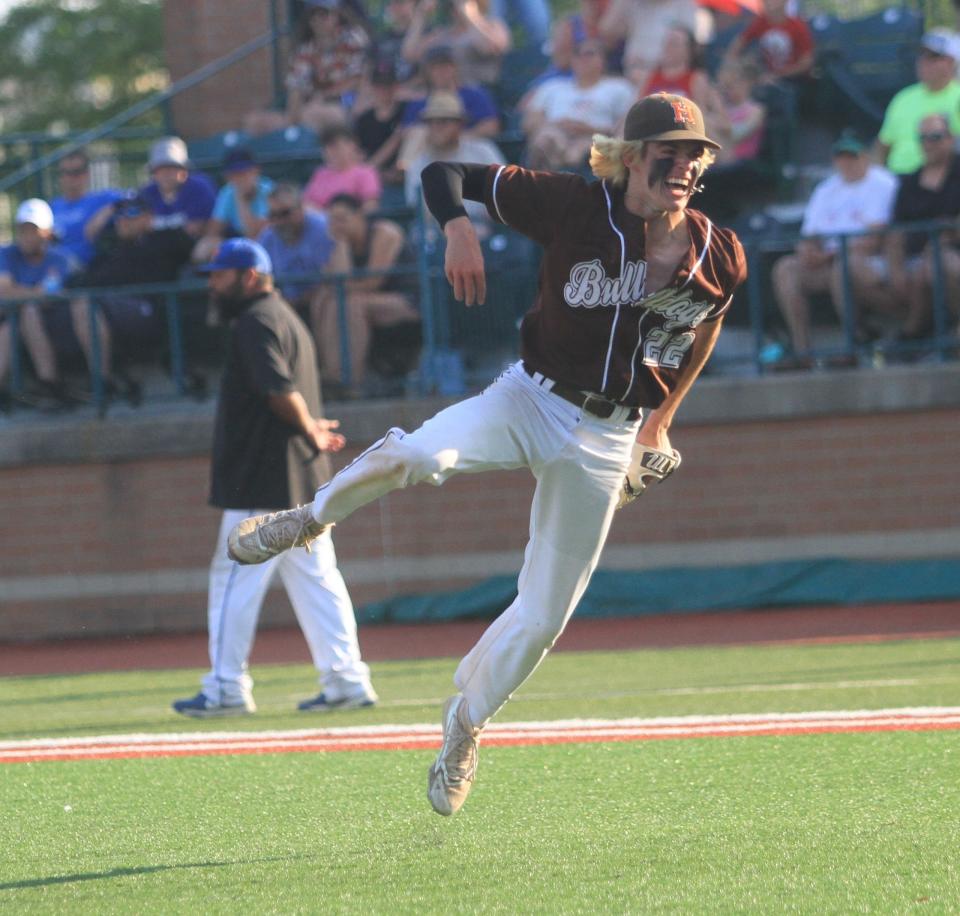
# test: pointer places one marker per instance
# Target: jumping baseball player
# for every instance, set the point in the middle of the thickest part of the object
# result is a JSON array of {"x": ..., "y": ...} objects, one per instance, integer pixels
[{"x": 633, "y": 288}]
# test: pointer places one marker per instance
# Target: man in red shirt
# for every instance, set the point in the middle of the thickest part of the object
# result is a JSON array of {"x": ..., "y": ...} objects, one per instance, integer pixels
[{"x": 785, "y": 42}]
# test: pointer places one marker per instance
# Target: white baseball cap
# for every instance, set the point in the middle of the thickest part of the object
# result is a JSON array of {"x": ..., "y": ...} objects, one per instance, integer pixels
[
  {"x": 35, "y": 211},
  {"x": 942, "y": 41}
]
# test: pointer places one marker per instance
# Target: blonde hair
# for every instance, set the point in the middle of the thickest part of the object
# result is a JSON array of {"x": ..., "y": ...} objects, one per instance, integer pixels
[{"x": 606, "y": 157}]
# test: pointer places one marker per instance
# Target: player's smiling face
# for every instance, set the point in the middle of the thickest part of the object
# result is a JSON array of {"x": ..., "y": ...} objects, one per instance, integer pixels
[{"x": 666, "y": 174}]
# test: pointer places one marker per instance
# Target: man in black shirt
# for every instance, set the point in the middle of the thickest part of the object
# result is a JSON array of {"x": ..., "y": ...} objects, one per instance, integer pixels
[{"x": 268, "y": 451}]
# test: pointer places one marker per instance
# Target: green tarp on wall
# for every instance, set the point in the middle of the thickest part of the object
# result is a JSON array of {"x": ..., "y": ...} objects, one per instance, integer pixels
[{"x": 679, "y": 590}]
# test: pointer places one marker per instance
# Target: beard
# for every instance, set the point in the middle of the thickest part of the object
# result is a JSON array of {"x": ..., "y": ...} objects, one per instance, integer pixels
[{"x": 230, "y": 302}]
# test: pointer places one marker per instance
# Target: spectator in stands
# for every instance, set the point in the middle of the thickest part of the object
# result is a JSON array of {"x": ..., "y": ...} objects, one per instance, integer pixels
[
  {"x": 176, "y": 198},
  {"x": 741, "y": 131},
  {"x": 34, "y": 266},
  {"x": 577, "y": 27},
  {"x": 931, "y": 193},
  {"x": 325, "y": 72},
  {"x": 79, "y": 213},
  {"x": 343, "y": 172},
  {"x": 379, "y": 129},
  {"x": 441, "y": 73},
  {"x": 785, "y": 42},
  {"x": 396, "y": 21},
  {"x": 444, "y": 118},
  {"x": 678, "y": 72},
  {"x": 740, "y": 127},
  {"x": 476, "y": 40},
  {"x": 298, "y": 242},
  {"x": 481, "y": 116},
  {"x": 533, "y": 16},
  {"x": 645, "y": 24},
  {"x": 563, "y": 114},
  {"x": 240, "y": 208},
  {"x": 375, "y": 301},
  {"x": 129, "y": 252},
  {"x": 937, "y": 91},
  {"x": 857, "y": 197}
]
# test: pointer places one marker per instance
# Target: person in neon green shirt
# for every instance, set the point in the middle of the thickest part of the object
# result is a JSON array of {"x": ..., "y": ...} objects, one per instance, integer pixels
[{"x": 936, "y": 92}]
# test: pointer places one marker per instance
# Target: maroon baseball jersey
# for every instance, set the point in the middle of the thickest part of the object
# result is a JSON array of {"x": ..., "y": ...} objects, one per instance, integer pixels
[{"x": 592, "y": 324}]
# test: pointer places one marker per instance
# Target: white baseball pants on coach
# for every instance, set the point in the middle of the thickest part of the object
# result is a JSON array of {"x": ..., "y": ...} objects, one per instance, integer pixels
[
  {"x": 579, "y": 462},
  {"x": 320, "y": 600}
]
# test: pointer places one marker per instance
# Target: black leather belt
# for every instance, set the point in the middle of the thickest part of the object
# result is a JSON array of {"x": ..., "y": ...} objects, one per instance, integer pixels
[{"x": 591, "y": 403}]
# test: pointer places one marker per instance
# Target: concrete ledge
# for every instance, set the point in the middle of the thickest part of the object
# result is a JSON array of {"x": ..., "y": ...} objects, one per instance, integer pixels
[{"x": 186, "y": 428}]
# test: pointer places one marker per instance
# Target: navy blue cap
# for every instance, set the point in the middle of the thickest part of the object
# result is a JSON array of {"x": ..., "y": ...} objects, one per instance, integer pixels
[
  {"x": 239, "y": 160},
  {"x": 239, "y": 254},
  {"x": 130, "y": 204}
]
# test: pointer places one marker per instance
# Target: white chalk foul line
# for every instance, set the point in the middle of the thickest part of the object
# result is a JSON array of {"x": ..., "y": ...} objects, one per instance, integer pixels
[{"x": 407, "y": 737}]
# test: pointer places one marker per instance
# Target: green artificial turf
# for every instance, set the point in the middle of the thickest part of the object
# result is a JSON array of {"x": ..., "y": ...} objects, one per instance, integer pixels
[{"x": 808, "y": 824}]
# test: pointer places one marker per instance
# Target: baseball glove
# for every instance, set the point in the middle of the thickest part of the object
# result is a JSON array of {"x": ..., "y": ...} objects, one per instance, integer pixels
[{"x": 647, "y": 462}]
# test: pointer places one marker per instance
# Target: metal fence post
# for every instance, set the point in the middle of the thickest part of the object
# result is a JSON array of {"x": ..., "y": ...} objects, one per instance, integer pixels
[
  {"x": 755, "y": 302},
  {"x": 96, "y": 375},
  {"x": 939, "y": 297},
  {"x": 175, "y": 333},
  {"x": 846, "y": 285},
  {"x": 346, "y": 367}
]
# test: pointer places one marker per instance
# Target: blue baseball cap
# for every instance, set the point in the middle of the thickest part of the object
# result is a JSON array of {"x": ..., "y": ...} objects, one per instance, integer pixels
[{"x": 239, "y": 254}]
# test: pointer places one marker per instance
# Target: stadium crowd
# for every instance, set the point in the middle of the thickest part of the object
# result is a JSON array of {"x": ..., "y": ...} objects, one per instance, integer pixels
[{"x": 423, "y": 79}]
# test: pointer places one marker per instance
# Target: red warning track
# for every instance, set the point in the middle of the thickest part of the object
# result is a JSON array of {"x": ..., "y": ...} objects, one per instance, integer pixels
[{"x": 414, "y": 737}]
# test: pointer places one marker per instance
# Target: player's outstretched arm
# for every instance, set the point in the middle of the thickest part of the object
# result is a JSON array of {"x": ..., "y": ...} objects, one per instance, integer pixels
[
  {"x": 445, "y": 184},
  {"x": 463, "y": 263}
]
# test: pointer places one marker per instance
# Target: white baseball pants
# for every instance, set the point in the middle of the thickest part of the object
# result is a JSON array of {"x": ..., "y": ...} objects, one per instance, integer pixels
[
  {"x": 579, "y": 462},
  {"x": 320, "y": 600}
]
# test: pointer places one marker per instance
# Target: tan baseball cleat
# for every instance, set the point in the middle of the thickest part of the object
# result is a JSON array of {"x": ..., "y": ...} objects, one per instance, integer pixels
[
  {"x": 451, "y": 776},
  {"x": 257, "y": 539}
]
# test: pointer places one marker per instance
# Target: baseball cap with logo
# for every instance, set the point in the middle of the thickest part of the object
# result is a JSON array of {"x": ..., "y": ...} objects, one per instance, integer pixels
[
  {"x": 35, "y": 211},
  {"x": 666, "y": 117},
  {"x": 941, "y": 41},
  {"x": 168, "y": 151},
  {"x": 240, "y": 254},
  {"x": 443, "y": 106}
]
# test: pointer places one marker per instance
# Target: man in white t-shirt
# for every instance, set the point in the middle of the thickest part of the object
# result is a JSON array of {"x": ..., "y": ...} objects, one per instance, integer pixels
[
  {"x": 444, "y": 117},
  {"x": 564, "y": 113},
  {"x": 856, "y": 198}
]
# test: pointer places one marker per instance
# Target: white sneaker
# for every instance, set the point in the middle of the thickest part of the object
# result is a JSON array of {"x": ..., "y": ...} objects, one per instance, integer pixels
[
  {"x": 257, "y": 539},
  {"x": 451, "y": 776}
]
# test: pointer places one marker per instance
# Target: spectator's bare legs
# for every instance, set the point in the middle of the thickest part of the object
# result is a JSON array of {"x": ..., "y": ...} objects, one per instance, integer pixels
[
  {"x": 38, "y": 344},
  {"x": 365, "y": 311},
  {"x": 871, "y": 289},
  {"x": 80, "y": 315},
  {"x": 788, "y": 287}
]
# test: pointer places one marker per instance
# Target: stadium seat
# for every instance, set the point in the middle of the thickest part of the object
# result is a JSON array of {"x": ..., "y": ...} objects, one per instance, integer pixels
[
  {"x": 208, "y": 152},
  {"x": 289, "y": 154}
]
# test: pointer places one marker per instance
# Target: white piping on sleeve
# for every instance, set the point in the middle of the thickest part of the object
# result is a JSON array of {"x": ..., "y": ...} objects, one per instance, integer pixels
[
  {"x": 703, "y": 254},
  {"x": 493, "y": 194}
]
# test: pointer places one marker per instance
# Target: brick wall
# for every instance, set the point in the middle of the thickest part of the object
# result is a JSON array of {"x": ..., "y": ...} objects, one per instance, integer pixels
[
  {"x": 197, "y": 32},
  {"x": 110, "y": 526}
]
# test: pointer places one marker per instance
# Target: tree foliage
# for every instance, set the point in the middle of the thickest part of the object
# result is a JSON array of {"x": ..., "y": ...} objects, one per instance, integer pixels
[{"x": 73, "y": 64}]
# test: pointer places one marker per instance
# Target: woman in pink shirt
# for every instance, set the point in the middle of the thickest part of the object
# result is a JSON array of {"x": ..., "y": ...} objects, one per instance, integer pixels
[{"x": 343, "y": 172}]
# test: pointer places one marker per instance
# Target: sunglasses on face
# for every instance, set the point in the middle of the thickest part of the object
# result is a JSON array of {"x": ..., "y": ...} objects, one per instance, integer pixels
[
  {"x": 933, "y": 137},
  {"x": 280, "y": 214}
]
